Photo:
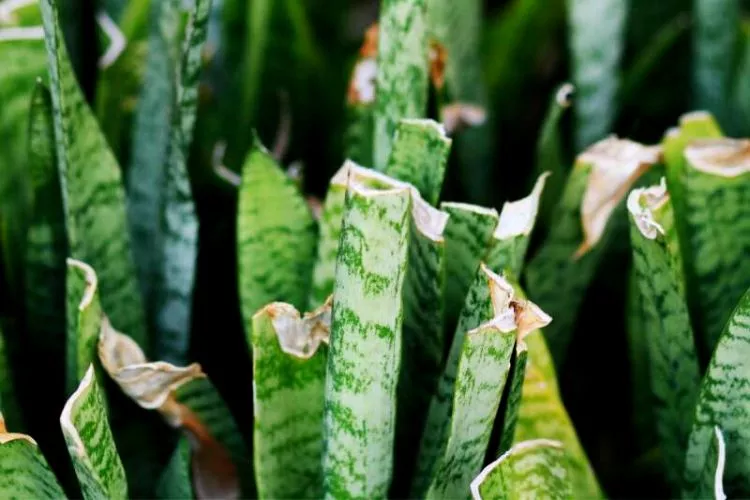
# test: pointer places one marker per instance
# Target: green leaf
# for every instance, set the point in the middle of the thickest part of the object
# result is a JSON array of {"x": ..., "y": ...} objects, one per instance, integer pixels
[
  {"x": 364, "y": 356},
  {"x": 84, "y": 312},
  {"x": 180, "y": 223},
  {"x": 402, "y": 81},
  {"x": 463, "y": 409},
  {"x": 275, "y": 237},
  {"x": 675, "y": 375},
  {"x": 716, "y": 42},
  {"x": 85, "y": 426},
  {"x": 467, "y": 237},
  {"x": 513, "y": 401},
  {"x": 507, "y": 249},
  {"x": 150, "y": 145},
  {"x": 289, "y": 368},
  {"x": 175, "y": 481},
  {"x": 559, "y": 274},
  {"x": 531, "y": 469},
  {"x": 723, "y": 403},
  {"x": 741, "y": 89},
  {"x": 9, "y": 407},
  {"x": 25, "y": 472},
  {"x": 419, "y": 155},
  {"x": 596, "y": 65},
  {"x": 542, "y": 415},
  {"x": 93, "y": 196},
  {"x": 712, "y": 479}
]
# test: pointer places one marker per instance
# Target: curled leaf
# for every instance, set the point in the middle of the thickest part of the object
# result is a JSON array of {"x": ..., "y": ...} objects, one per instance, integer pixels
[
  {"x": 300, "y": 336},
  {"x": 641, "y": 205},
  {"x": 721, "y": 157}
]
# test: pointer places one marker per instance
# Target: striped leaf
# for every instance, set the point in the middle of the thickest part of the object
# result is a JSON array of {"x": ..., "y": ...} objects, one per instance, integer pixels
[
  {"x": 532, "y": 469},
  {"x": 275, "y": 237},
  {"x": 507, "y": 249},
  {"x": 85, "y": 426},
  {"x": 419, "y": 155},
  {"x": 93, "y": 196},
  {"x": 559, "y": 274},
  {"x": 711, "y": 483},
  {"x": 289, "y": 367},
  {"x": 180, "y": 224},
  {"x": 462, "y": 412},
  {"x": 542, "y": 415},
  {"x": 723, "y": 403},
  {"x": 149, "y": 147},
  {"x": 175, "y": 481},
  {"x": 365, "y": 349},
  {"x": 25, "y": 472},
  {"x": 360, "y": 102},
  {"x": 84, "y": 312},
  {"x": 467, "y": 237},
  {"x": 402, "y": 81},
  {"x": 716, "y": 41},
  {"x": 596, "y": 65},
  {"x": 675, "y": 375}
]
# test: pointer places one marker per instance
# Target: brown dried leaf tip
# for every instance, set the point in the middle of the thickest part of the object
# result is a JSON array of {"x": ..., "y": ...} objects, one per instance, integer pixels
[
  {"x": 438, "y": 57},
  {"x": 362, "y": 84}
]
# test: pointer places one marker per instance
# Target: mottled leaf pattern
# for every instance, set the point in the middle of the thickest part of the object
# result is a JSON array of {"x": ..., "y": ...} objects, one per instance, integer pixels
[
  {"x": 24, "y": 472},
  {"x": 84, "y": 321}
]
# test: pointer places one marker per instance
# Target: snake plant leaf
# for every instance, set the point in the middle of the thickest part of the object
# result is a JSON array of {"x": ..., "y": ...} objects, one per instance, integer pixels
[
  {"x": 675, "y": 375},
  {"x": 462, "y": 412},
  {"x": 180, "y": 223},
  {"x": 360, "y": 101},
  {"x": 402, "y": 71},
  {"x": 46, "y": 240},
  {"x": 542, "y": 414},
  {"x": 717, "y": 214},
  {"x": 84, "y": 312},
  {"x": 510, "y": 241},
  {"x": 175, "y": 481},
  {"x": 723, "y": 402},
  {"x": 741, "y": 91},
  {"x": 275, "y": 237},
  {"x": 596, "y": 66},
  {"x": 419, "y": 155},
  {"x": 558, "y": 276},
  {"x": 365, "y": 348},
  {"x": 25, "y": 472},
  {"x": 85, "y": 426},
  {"x": 289, "y": 368},
  {"x": 532, "y": 469},
  {"x": 716, "y": 40},
  {"x": 93, "y": 196},
  {"x": 149, "y": 148},
  {"x": 8, "y": 403},
  {"x": 711, "y": 482},
  {"x": 467, "y": 237}
]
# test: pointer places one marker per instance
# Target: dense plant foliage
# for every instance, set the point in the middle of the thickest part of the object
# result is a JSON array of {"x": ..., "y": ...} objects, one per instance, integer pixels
[{"x": 187, "y": 313}]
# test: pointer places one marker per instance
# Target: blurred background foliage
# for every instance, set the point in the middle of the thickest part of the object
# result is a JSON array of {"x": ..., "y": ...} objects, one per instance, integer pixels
[{"x": 282, "y": 67}]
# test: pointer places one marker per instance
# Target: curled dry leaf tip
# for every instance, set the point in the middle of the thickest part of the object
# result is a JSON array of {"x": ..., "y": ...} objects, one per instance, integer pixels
[{"x": 641, "y": 204}]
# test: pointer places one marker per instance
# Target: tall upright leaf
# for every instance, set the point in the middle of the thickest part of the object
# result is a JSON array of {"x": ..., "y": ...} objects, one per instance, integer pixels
[
  {"x": 84, "y": 321},
  {"x": 365, "y": 349},
  {"x": 596, "y": 65},
  {"x": 93, "y": 195},
  {"x": 180, "y": 224},
  {"x": 8, "y": 400},
  {"x": 25, "y": 472},
  {"x": 402, "y": 81}
]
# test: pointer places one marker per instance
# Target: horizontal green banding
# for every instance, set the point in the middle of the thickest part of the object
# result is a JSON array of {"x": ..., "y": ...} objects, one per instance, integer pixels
[
  {"x": 175, "y": 481},
  {"x": 467, "y": 237},
  {"x": 724, "y": 402},
  {"x": 288, "y": 406},
  {"x": 402, "y": 81},
  {"x": 365, "y": 346},
  {"x": 24, "y": 473},
  {"x": 531, "y": 469},
  {"x": 85, "y": 427},
  {"x": 179, "y": 220},
  {"x": 93, "y": 194},
  {"x": 275, "y": 237},
  {"x": 84, "y": 313},
  {"x": 542, "y": 414},
  {"x": 658, "y": 268},
  {"x": 419, "y": 156}
]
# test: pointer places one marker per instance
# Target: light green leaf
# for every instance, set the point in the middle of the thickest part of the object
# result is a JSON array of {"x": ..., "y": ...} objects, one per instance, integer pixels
[
  {"x": 289, "y": 367},
  {"x": 84, "y": 312},
  {"x": 531, "y": 469},
  {"x": 365, "y": 349},
  {"x": 675, "y": 375},
  {"x": 175, "y": 481},
  {"x": 723, "y": 403},
  {"x": 275, "y": 237},
  {"x": 419, "y": 155},
  {"x": 93, "y": 196},
  {"x": 180, "y": 223},
  {"x": 25, "y": 473},
  {"x": 596, "y": 65},
  {"x": 402, "y": 81},
  {"x": 85, "y": 426},
  {"x": 712, "y": 479}
]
